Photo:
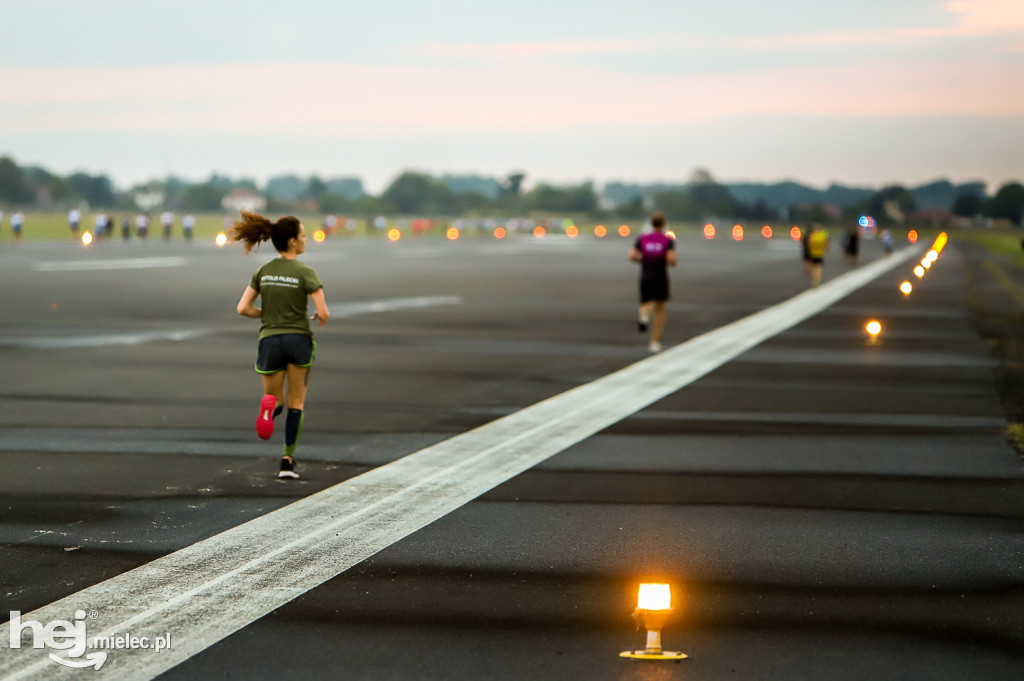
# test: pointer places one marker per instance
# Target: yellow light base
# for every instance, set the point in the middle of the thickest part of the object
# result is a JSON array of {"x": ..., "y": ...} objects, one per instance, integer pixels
[{"x": 644, "y": 655}]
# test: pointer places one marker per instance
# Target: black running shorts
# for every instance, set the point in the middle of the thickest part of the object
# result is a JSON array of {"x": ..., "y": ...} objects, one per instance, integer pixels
[
  {"x": 278, "y": 351},
  {"x": 653, "y": 289}
]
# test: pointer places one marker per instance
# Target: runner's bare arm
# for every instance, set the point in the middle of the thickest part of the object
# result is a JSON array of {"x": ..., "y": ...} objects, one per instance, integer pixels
[
  {"x": 245, "y": 304},
  {"x": 322, "y": 313}
]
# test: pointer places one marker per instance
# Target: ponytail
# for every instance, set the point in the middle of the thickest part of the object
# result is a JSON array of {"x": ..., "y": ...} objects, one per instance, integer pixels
[{"x": 253, "y": 229}]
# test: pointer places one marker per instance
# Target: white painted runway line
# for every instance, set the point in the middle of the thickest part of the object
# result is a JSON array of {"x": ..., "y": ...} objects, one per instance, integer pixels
[
  {"x": 339, "y": 310},
  {"x": 75, "y": 342},
  {"x": 207, "y": 591},
  {"x": 105, "y": 265}
]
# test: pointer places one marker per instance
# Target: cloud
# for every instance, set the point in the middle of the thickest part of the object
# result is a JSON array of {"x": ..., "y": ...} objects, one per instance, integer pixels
[
  {"x": 348, "y": 98},
  {"x": 988, "y": 17},
  {"x": 525, "y": 50},
  {"x": 974, "y": 18}
]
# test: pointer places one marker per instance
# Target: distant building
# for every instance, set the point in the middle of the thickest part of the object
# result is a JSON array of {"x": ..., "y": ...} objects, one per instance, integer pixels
[
  {"x": 148, "y": 199},
  {"x": 243, "y": 199},
  {"x": 936, "y": 217}
]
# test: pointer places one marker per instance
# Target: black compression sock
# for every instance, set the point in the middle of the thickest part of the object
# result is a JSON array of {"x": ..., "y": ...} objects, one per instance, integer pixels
[{"x": 292, "y": 430}]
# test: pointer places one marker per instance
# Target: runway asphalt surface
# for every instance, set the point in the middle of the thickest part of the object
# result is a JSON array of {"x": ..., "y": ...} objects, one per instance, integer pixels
[{"x": 824, "y": 506}]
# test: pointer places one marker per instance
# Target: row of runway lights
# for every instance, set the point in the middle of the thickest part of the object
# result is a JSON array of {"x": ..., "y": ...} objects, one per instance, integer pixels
[
  {"x": 874, "y": 327},
  {"x": 572, "y": 231}
]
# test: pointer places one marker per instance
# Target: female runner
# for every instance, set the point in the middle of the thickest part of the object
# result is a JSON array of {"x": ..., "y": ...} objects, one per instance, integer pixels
[{"x": 286, "y": 347}]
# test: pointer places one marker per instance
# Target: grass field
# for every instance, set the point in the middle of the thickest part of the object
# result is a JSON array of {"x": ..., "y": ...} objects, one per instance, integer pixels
[
  {"x": 999, "y": 242},
  {"x": 40, "y": 226},
  {"x": 54, "y": 227}
]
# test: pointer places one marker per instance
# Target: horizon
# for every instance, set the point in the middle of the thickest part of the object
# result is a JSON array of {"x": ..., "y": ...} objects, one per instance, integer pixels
[
  {"x": 886, "y": 92},
  {"x": 527, "y": 183}
]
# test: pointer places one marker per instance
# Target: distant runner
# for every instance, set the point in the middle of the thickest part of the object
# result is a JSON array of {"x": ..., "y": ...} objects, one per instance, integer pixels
[
  {"x": 655, "y": 251},
  {"x": 286, "y": 347},
  {"x": 817, "y": 244}
]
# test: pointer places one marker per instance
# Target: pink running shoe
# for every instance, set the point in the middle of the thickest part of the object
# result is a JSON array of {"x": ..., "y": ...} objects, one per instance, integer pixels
[{"x": 265, "y": 421}]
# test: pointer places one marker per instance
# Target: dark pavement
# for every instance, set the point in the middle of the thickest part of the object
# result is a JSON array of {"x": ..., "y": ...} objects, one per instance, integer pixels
[{"x": 824, "y": 507}]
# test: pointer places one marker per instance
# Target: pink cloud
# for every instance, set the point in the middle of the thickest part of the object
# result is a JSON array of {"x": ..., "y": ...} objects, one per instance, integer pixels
[
  {"x": 973, "y": 18},
  {"x": 528, "y": 50},
  {"x": 987, "y": 17},
  {"x": 351, "y": 99}
]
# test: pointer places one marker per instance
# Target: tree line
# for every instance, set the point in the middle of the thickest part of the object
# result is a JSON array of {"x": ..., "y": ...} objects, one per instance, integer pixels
[{"x": 418, "y": 193}]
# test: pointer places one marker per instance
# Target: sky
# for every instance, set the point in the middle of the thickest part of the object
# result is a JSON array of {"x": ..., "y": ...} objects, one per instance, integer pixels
[{"x": 868, "y": 93}]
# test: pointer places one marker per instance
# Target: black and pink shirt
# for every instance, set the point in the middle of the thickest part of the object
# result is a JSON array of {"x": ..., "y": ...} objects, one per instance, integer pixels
[{"x": 654, "y": 248}]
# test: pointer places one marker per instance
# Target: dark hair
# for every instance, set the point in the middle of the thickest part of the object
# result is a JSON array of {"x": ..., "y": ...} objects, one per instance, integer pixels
[
  {"x": 254, "y": 229},
  {"x": 658, "y": 220}
]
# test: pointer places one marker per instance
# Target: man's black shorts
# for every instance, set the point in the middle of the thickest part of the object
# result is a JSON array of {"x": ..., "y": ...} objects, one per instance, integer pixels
[
  {"x": 278, "y": 351},
  {"x": 653, "y": 288}
]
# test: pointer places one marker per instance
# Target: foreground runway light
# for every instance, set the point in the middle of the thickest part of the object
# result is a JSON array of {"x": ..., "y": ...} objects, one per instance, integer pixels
[
  {"x": 222, "y": 239},
  {"x": 452, "y": 234},
  {"x": 319, "y": 236},
  {"x": 906, "y": 288},
  {"x": 919, "y": 271},
  {"x": 87, "y": 238},
  {"x": 670, "y": 234},
  {"x": 926, "y": 263},
  {"x": 394, "y": 234},
  {"x": 653, "y": 609}
]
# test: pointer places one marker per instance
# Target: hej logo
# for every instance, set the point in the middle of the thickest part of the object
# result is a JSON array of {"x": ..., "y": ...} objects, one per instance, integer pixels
[{"x": 59, "y": 635}]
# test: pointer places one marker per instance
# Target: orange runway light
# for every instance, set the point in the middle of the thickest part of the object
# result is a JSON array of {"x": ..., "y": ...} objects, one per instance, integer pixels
[
  {"x": 624, "y": 231},
  {"x": 653, "y": 610},
  {"x": 499, "y": 233},
  {"x": 319, "y": 236},
  {"x": 737, "y": 232},
  {"x": 452, "y": 234},
  {"x": 539, "y": 231},
  {"x": 795, "y": 233},
  {"x": 572, "y": 231},
  {"x": 709, "y": 231},
  {"x": 874, "y": 327},
  {"x": 394, "y": 234},
  {"x": 767, "y": 232},
  {"x": 670, "y": 234},
  {"x": 940, "y": 242},
  {"x": 912, "y": 236},
  {"x": 600, "y": 231}
]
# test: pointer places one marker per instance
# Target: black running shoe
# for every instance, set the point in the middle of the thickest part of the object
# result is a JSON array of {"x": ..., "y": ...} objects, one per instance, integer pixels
[
  {"x": 641, "y": 327},
  {"x": 287, "y": 471}
]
